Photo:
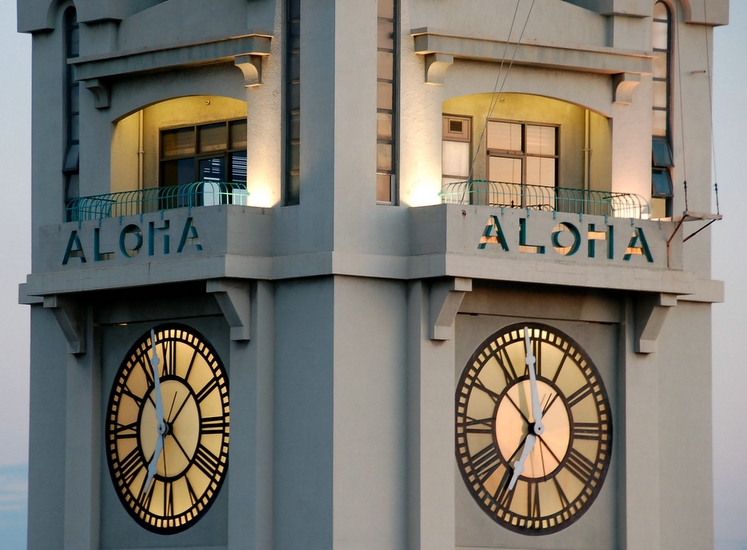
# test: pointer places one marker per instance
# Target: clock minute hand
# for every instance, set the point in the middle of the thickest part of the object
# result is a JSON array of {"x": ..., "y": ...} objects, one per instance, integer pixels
[
  {"x": 536, "y": 406},
  {"x": 155, "y": 361}
]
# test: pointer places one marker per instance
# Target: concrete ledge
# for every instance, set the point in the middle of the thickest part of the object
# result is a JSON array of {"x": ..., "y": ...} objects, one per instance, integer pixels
[
  {"x": 587, "y": 59},
  {"x": 171, "y": 57}
]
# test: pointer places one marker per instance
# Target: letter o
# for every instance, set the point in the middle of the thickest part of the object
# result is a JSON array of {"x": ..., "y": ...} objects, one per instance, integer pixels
[
  {"x": 131, "y": 229},
  {"x": 566, "y": 227}
]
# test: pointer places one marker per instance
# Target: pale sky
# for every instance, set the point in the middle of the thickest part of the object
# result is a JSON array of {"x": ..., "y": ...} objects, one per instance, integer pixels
[{"x": 729, "y": 264}]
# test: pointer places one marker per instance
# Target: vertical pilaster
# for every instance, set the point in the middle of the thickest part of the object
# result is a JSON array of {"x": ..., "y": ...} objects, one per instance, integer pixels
[
  {"x": 82, "y": 448},
  {"x": 637, "y": 443},
  {"x": 431, "y": 490},
  {"x": 251, "y": 391}
]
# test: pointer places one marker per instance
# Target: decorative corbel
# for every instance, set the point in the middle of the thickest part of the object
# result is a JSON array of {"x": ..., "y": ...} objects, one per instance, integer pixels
[
  {"x": 251, "y": 68},
  {"x": 101, "y": 92},
  {"x": 650, "y": 314},
  {"x": 435, "y": 67},
  {"x": 445, "y": 298},
  {"x": 623, "y": 85},
  {"x": 234, "y": 300},
  {"x": 71, "y": 317}
]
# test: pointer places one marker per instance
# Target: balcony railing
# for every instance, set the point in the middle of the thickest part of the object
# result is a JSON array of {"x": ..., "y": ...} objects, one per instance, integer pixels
[
  {"x": 539, "y": 197},
  {"x": 141, "y": 201}
]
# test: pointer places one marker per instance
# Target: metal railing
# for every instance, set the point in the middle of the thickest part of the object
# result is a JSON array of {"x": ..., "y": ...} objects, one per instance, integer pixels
[
  {"x": 539, "y": 197},
  {"x": 141, "y": 201}
]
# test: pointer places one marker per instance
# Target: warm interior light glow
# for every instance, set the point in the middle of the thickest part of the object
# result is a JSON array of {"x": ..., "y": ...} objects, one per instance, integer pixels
[
  {"x": 260, "y": 195},
  {"x": 424, "y": 193}
]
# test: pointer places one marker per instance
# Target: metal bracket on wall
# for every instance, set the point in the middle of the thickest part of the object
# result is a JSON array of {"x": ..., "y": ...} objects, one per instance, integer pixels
[
  {"x": 234, "y": 299},
  {"x": 71, "y": 317},
  {"x": 688, "y": 216},
  {"x": 650, "y": 313},
  {"x": 445, "y": 298}
]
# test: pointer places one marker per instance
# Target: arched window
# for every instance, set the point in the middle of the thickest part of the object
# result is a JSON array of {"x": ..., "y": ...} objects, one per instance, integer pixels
[
  {"x": 661, "y": 157},
  {"x": 72, "y": 106}
]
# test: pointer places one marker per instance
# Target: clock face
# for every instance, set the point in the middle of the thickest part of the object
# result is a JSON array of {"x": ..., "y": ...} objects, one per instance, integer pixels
[
  {"x": 533, "y": 430},
  {"x": 167, "y": 428}
]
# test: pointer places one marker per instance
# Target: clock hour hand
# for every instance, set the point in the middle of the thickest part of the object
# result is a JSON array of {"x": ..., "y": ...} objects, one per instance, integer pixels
[
  {"x": 519, "y": 464},
  {"x": 536, "y": 406}
]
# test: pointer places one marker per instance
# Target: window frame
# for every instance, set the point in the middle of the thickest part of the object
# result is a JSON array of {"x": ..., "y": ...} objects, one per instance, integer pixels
[
  {"x": 460, "y": 137},
  {"x": 196, "y": 155},
  {"x": 523, "y": 155},
  {"x": 392, "y": 143}
]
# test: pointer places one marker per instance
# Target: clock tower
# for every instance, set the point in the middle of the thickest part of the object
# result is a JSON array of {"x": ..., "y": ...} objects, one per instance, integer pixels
[{"x": 372, "y": 274}]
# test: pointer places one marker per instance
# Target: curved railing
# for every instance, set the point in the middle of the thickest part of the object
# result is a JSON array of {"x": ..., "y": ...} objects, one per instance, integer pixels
[
  {"x": 140, "y": 201},
  {"x": 539, "y": 197}
]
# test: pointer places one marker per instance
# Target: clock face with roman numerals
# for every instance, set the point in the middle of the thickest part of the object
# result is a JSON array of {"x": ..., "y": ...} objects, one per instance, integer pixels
[
  {"x": 167, "y": 428},
  {"x": 529, "y": 479}
]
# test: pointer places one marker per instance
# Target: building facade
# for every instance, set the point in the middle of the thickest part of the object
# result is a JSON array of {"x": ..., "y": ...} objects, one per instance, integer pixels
[{"x": 380, "y": 274}]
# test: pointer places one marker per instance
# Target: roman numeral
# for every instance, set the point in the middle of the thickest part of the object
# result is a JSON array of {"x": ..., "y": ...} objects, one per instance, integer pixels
[
  {"x": 504, "y": 495},
  {"x": 537, "y": 351},
  {"x": 144, "y": 497},
  {"x": 486, "y": 461},
  {"x": 560, "y": 367},
  {"x": 130, "y": 466},
  {"x": 509, "y": 372},
  {"x": 207, "y": 389},
  {"x": 136, "y": 398},
  {"x": 587, "y": 430},
  {"x": 190, "y": 491},
  {"x": 579, "y": 465},
  {"x": 126, "y": 431},
  {"x": 147, "y": 369},
  {"x": 191, "y": 364},
  {"x": 561, "y": 494},
  {"x": 579, "y": 395},
  {"x": 168, "y": 498},
  {"x": 206, "y": 461},
  {"x": 479, "y": 426},
  {"x": 549, "y": 403},
  {"x": 212, "y": 425},
  {"x": 169, "y": 358},
  {"x": 533, "y": 500},
  {"x": 494, "y": 396}
]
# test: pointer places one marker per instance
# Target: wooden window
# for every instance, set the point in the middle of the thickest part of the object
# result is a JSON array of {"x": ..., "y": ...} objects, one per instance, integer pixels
[
  {"x": 455, "y": 152},
  {"x": 521, "y": 152}
]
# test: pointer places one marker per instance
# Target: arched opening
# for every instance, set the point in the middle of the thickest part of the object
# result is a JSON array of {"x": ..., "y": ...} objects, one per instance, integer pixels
[
  {"x": 180, "y": 141},
  {"x": 526, "y": 139}
]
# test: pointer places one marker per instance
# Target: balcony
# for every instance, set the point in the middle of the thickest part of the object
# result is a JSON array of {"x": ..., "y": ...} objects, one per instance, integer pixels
[
  {"x": 551, "y": 199},
  {"x": 142, "y": 201}
]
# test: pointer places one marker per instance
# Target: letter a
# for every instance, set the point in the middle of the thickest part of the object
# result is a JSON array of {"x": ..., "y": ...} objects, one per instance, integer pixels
[
  {"x": 493, "y": 234},
  {"x": 77, "y": 252},
  {"x": 635, "y": 250}
]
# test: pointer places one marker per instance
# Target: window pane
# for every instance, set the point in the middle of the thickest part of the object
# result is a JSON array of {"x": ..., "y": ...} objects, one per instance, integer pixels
[
  {"x": 383, "y": 157},
  {"x": 541, "y": 171},
  {"x": 386, "y": 35},
  {"x": 238, "y": 167},
  {"x": 213, "y": 169},
  {"x": 385, "y": 66},
  {"x": 456, "y": 158},
  {"x": 662, "y": 156},
  {"x": 294, "y": 99},
  {"x": 659, "y": 123},
  {"x": 213, "y": 137},
  {"x": 294, "y": 66},
  {"x": 294, "y": 9},
  {"x": 383, "y": 126},
  {"x": 294, "y": 36},
  {"x": 504, "y": 136},
  {"x": 74, "y": 99},
  {"x": 177, "y": 142},
  {"x": 74, "y": 127},
  {"x": 504, "y": 170},
  {"x": 661, "y": 11},
  {"x": 540, "y": 140},
  {"x": 72, "y": 159},
  {"x": 384, "y": 95},
  {"x": 386, "y": 9},
  {"x": 383, "y": 187},
  {"x": 660, "y": 36},
  {"x": 177, "y": 172},
  {"x": 660, "y": 94},
  {"x": 293, "y": 189},
  {"x": 661, "y": 65},
  {"x": 238, "y": 134},
  {"x": 294, "y": 157},
  {"x": 294, "y": 128},
  {"x": 661, "y": 183}
]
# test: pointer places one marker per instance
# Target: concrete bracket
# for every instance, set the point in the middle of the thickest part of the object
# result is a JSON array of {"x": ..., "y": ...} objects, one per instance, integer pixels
[
  {"x": 101, "y": 92},
  {"x": 623, "y": 85},
  {"x": 435, "y": 67},
  {"x": 650, "y": 314},
  {"x": 72, "y": 320},
  {"x": 251, "y": 68},
  {"x": 445, "y": 298},
  {"x": 234, "y": 300}
]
